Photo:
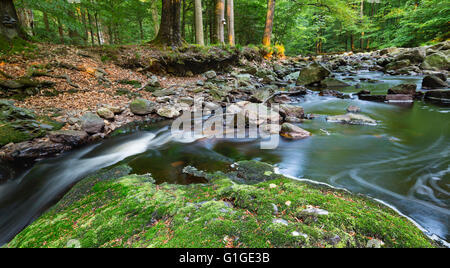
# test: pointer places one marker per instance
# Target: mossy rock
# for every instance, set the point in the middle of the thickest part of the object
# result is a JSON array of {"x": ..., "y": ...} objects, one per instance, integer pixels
[{"x": 106, "y": 211}]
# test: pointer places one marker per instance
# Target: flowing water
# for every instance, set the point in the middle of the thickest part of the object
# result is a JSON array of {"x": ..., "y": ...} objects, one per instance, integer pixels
[{"x": 404, "y": 160}]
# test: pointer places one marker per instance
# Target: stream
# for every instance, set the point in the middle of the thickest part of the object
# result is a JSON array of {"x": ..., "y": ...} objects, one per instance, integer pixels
[{"x": 403, "y": 161}]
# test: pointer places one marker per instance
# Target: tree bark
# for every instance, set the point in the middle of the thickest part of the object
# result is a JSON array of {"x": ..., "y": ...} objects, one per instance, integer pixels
[
  {"x": 61, "y": 31},
  {"x": 155, "y": 17},
  {"x": 46, "y": 22},
  {"x": 10, "y": 24},
  {"x": 220, "y": 19},
  {"x": 91, "y": 29},
  {"x": 269, "y": 22},
  {"x": 199, "y": 23},
  {"x": 169, "y": 30},
  {"x": 230, "y": 16}
]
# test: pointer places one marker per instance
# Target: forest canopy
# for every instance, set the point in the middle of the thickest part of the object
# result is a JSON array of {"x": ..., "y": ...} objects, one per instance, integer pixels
[{"x": 302, "y": 26}]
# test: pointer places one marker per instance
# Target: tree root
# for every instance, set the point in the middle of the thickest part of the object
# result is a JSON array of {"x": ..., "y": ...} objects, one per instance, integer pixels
[{"x": 66, "y": 77}]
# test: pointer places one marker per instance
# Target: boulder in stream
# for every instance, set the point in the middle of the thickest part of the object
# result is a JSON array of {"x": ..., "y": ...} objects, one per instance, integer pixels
[
  {"x": 352, "y": 119},
  {"x": 433, "y": 82},
  {"x": 69, "y": 137},
  {"x": 314, "y": 73},
  {"x": 294, "y": 132},
  {"x": 404, "y": 89}
]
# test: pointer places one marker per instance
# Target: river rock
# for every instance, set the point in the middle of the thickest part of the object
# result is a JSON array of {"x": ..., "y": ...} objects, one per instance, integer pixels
[
  {"x": 414, "y": 55},
  {"x": 105, "y": 113},
  {"x": 260, "y": 114},
  {"x": 288, "y": 110},
  {"x": 437, "y": 61},
  {"x": 293, "y": 132},
  {"x": 405, "y": 89},
  {"x": 142, "y": 107},
  {"x": 433, "y": 82},
  {"x": 353, "y": 109},
  {"x": 352, "y": 119},
  {"x": 314, "y": 73},
  {"x": 30, "y": 150},
  {"x": 333, "y": 82},
  {"x": 69, "y": 137},
  {"x": 187, "y": 100},
  {"x": 168, "y": 112},
  {"x": 442, "y": 96},
  {"x": 164, "y": 92},
  {"x": 375, "y": 98},
  {"x": 399, "y": 98},
  {"x": 92, "y": 123},
  {"x": 210, "y": 74},
  {"x": 397, "y": 65},
  {"x": 331, "y": 93}
]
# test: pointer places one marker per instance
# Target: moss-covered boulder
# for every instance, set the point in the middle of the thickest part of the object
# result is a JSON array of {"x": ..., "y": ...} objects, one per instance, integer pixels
[
  {"x": 18, "y": 124},
  {"x": 142, "y": 107},
  {"x": 312, "y": 74},
  {"x": 131, "y": 211},
  {"x": 437, "y": 61}
]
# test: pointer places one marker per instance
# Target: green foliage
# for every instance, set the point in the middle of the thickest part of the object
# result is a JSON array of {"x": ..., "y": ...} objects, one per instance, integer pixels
[{"x": 303, "y": 26}]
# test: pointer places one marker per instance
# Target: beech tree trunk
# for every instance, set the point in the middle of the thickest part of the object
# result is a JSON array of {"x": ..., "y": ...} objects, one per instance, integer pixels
[
  {"x": 230, "y": 16},
  {"x": 169, "y": 30},
  {"x": 220, "y": 19},
  {"x": 269, "y": 22},
  {"x": 199, "y": 23},
  {"x": 10, "y": 24}
]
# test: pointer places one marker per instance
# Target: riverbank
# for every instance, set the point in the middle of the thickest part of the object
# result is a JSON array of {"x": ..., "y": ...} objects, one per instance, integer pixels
[{"x": 250, "y": 206}]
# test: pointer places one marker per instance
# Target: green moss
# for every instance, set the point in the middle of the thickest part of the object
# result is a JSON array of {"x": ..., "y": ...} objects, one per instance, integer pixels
[
  {"x": 106, "y": 211},
  {"x": 17, "y": 46}
]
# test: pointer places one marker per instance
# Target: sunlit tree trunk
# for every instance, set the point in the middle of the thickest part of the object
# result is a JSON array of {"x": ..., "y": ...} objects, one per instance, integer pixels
[
  {"x": 220, "y": 19},
  {"x": 26, "y": 18},
  {"x": 10, "y": 24},
  {"x": 230, "y": 16},
  {"x": 155, "y": 17},
  {"x": 269, "y": 22},
  {"x": 169, "y": 30},
  {"x": 199, "y": 23}
]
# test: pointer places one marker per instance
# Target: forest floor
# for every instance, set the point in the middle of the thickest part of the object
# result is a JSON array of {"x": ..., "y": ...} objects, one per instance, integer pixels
[{"x": 83, "y": 67}]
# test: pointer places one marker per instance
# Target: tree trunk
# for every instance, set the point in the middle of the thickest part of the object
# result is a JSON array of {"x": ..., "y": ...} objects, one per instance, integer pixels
[
  {"x": 61, "y": 31},
  {"x": 169, "y": 30},
  {"x": 269, "y": 22},
  {"x": 220, "y": 20},
  {"x": 230, "y": 16},
  {"x": 10, "y": 24},
  {"x": 97, "y": 25},
  {"x": 46, "y": 22},
  {"x": 199, "y": 23},
  {"x": 91, "y": 29},
  {"x": 141, "y": 28},
  {"x": 155, "y": 17},
  {"x": 362, "y": 19},
  {"x": 26, "y": 18},
  {"x": 183, "y": 21},
  {"x": 84, "y": 21}
]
